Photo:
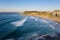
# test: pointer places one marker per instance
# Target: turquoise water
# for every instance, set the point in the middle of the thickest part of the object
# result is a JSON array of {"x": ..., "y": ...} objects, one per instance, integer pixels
[{"x": 28, "y": 26}]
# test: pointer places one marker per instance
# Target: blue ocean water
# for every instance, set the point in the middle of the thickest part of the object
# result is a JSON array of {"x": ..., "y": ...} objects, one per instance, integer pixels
[
  {"x": 5, "y": 22},
  {"x": 16, "y": 26}
]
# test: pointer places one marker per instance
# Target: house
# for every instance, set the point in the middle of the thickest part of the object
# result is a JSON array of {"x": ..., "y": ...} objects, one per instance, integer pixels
[{"x": 56, "y": 13}]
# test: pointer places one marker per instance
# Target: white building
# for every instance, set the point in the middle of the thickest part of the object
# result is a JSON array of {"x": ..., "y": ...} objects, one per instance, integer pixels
[{"x": 56, "y": 13}]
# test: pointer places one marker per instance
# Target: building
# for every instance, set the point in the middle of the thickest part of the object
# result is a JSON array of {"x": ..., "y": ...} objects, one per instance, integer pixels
[{"x": 56, "y": 13}]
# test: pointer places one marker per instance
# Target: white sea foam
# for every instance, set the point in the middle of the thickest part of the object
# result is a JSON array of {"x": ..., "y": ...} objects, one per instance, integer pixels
[
  {"x": 10, "y": 39},
  {"x": 56, "y": 23},
  {"x": 35, "y": 34},
  {"x": 34, "y": 18},
  {"x": 20, "y": 22},
  {"x": 44, "y": 21},
  {"x": 52, "y": 26}
]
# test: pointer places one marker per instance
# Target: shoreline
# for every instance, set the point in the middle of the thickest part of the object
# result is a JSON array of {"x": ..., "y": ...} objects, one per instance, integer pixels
[
  {"x": 51, "y": 18},
  {"x": 56, "y": 19}
]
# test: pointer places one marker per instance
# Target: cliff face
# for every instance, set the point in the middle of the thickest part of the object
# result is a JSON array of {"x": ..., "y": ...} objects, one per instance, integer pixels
[
  {"x": 36, "y": 12},
  {"x": 45, "y": 13}
]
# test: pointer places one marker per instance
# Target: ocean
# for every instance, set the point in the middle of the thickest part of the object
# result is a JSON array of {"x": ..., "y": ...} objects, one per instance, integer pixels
[{"x": 14, "y": 26}]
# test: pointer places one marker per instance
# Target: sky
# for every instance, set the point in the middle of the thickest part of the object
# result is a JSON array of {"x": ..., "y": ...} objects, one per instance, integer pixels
[{"x": 29, "y": 5}]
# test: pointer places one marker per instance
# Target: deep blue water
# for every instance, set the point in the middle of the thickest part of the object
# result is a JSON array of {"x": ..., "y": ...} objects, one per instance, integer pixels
[{"x": 33, "y": 26}]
